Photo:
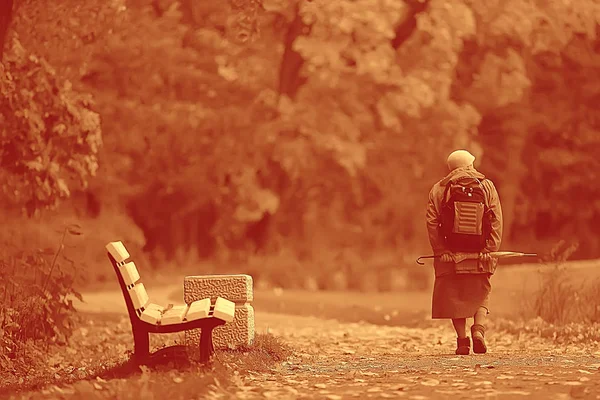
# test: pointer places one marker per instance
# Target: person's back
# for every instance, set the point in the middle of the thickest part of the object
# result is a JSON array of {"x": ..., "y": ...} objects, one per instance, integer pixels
[{"x": 463, "y": 215}]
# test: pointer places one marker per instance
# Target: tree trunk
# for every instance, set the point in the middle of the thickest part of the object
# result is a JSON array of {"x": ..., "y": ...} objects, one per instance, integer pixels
[
  {"x": 513, "y": 174},
  {"x": 290, "y": 79},
  {"x": 6, "y": 9}
]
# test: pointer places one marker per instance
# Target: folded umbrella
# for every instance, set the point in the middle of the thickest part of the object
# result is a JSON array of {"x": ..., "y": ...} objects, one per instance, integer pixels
[{"x": 458, "y": 257}]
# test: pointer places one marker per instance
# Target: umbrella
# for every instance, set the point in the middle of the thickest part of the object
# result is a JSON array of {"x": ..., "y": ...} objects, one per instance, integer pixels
[{"x": 458, "y": 257}]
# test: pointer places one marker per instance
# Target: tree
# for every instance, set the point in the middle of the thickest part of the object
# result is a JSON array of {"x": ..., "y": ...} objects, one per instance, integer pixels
[
  {"x": 375, "y": 95},
  {"x": 49, "y": 136}
]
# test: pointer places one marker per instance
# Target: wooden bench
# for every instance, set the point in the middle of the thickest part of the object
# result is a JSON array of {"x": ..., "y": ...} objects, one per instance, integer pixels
[{"x": 147, "y": 317}]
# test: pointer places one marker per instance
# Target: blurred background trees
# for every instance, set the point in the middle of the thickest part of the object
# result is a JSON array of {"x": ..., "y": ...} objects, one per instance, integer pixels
[{"x": 304, "y": 130}]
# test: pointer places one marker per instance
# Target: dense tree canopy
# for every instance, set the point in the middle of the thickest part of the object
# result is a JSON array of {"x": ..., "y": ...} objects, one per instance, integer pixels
[{"x": 271, "y": 124}]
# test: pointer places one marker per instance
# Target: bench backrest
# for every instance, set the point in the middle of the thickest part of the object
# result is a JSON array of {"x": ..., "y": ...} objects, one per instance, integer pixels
[{"x": 134, "y": 292}]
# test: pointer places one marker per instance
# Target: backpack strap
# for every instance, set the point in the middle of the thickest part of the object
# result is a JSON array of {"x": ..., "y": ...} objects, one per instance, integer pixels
[
  {"x": 445, "y": 196},
  {"x": 480, "y": 182}
]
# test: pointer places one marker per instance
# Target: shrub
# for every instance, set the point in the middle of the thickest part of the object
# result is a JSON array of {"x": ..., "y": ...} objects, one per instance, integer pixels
[
  {"x": 561, "y": 300},
  {"x": 36, "y": 292}
]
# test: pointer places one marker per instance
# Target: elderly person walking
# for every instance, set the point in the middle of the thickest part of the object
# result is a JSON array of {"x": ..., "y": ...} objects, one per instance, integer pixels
[{"x": 464, "y": 215}]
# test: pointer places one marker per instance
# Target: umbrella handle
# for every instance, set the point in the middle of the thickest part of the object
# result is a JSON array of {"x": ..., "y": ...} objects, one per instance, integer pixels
[{"x": 421, "y": 262}]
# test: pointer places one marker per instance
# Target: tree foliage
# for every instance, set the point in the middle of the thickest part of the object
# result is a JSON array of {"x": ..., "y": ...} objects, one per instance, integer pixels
[
  {"x": 50, "y": 138},
  {"x": 321, "y": 124}
]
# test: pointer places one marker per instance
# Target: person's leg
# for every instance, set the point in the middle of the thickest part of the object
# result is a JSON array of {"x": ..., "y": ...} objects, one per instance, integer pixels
[
  {"x": 463, "y": 342},
  {"x": 460, "y": 326},
  {"x": 478, "y": 330},
  {"x": 480, "y": 316}
]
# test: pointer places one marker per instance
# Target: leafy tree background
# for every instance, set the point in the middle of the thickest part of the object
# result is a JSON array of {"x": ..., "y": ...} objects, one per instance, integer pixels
[{"x": 276, "y": 137}]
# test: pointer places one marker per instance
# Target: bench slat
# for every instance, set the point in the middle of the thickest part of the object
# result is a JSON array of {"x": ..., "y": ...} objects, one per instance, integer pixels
[
  {"x": 118, "y": 251},
  {"x": 130, "y": 273},
  {"x": 224, "y": 309},
  {"x": 139, "y": 296},
  {"x": 175, "y": 315},
  {"x": 199, "y": 309},
  {"x": 151, "y": 316},
  {"x": 153, "y": 306}
]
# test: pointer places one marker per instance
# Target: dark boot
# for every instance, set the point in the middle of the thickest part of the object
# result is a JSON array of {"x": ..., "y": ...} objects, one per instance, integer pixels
[
  {"x": 463, "y": 346},
  {"x": 478, "y": 333}
]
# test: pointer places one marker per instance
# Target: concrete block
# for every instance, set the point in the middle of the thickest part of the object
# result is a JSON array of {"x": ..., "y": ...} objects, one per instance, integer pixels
[
  {"x": 234, "y": 334},
  {"x": 118, "y": 251},
  {"x": 236, "y": 288}
]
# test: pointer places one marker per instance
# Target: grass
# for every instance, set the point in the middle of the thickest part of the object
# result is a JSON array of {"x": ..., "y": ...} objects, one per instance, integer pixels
[
  {"x": 96, "y": 365},
  {"x": 562, "y": 299}
]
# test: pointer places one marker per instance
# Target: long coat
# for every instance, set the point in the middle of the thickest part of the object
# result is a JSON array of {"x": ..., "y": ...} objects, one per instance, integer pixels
[{"x": 461, "y": 289}]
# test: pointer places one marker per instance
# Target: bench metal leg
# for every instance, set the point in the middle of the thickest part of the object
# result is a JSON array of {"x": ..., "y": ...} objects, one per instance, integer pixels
[
  {"x": 141, "y": 345},
  {"x": 206, "y": 344}
]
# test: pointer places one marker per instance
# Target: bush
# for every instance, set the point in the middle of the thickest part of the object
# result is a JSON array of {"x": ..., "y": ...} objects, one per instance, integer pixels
[
  {"x": 559, "y": 299},
  {"x": 36, "y": 294}
]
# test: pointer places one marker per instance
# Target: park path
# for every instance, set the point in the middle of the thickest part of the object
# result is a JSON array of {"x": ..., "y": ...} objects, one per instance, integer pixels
[{"x": 337, "y": 360}]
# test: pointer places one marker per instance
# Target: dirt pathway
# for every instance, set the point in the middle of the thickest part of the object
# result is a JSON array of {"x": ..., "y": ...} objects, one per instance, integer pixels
[
  {"x": 337, "y": 360},
  {"x": 366, "y": 361}
]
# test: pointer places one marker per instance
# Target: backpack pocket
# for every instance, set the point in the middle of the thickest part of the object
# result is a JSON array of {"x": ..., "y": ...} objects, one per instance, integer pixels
[{"x": 468, "y": 218}]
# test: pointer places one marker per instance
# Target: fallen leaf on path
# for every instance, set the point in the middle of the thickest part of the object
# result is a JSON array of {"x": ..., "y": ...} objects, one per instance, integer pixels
[
  {"x": 272, "y": 395},
  {"x": 517, "y": 392},
  {"x": 460, "y": 385},
  {"x": 368, "y": 373},
  {"x": 505, "y": 377},
  {"x": 430, "y": 382},
  {"x": 583, "y": 371}
]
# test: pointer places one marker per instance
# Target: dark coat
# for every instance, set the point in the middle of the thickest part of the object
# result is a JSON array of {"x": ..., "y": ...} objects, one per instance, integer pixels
[
  {"x": 433, "y": 212},
  {"x": 461, "y": 289}
]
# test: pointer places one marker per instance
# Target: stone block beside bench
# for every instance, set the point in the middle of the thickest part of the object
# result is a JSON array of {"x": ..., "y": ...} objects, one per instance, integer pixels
[{"x": 235, "y": 288}]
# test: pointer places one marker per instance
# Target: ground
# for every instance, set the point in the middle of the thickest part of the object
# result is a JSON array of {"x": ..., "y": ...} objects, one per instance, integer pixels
[
  {"x": 370, "y": 361},
  {"x": 335, "y": 356}
]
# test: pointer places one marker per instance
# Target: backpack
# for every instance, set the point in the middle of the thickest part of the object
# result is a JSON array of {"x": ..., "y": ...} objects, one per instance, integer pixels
[{"x": 465, "y": 220}]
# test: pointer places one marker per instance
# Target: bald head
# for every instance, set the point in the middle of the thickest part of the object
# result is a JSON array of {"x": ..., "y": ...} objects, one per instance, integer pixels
[{"x": 460, "y": 159}]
